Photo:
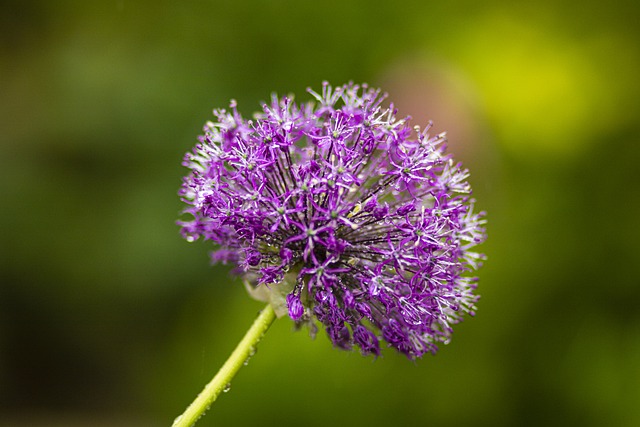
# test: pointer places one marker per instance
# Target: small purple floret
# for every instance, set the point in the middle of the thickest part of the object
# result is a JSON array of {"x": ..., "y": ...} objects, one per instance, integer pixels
[
  {"x": 368, "y": 218},
  {"x": 296, "y": 309}
]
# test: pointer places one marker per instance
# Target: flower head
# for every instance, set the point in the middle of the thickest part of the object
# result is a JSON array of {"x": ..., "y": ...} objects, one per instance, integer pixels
[{"x": 343, "y": 213}]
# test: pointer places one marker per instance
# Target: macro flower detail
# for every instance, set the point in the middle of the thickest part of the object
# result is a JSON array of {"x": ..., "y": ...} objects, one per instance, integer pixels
[{"x": 343, "y": 213}]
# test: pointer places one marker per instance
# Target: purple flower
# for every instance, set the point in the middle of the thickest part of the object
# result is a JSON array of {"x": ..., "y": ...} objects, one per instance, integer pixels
[{"x": 340, "y": 211}]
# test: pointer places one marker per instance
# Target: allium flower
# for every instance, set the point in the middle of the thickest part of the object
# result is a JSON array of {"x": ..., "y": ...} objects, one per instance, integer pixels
[{"x": 337, "y": 210}]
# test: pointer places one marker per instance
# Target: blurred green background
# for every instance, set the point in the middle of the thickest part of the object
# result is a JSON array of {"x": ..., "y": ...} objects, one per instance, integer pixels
[{"x": 109, "y": 318}]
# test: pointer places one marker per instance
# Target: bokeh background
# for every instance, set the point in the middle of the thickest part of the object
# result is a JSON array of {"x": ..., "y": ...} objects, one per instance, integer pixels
[{"x": 109, "y": 318}]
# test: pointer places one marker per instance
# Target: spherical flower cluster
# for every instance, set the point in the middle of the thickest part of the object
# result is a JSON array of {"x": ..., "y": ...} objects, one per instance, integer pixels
[{"x": 344, "y": 212}]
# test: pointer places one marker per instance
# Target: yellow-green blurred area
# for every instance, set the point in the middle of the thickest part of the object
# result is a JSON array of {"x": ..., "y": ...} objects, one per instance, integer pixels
[{"x": 109, "y": 318}]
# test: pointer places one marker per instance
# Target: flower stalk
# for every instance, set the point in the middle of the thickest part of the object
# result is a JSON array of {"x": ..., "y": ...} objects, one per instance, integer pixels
[{"x": 245, "y": 349}]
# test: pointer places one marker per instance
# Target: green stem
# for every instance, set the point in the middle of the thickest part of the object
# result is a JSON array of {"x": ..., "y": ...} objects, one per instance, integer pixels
[{"x": 220, "y": 382}]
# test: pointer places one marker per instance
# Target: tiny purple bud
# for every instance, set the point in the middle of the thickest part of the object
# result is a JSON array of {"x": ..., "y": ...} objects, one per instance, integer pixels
[
  {"x": 381, "y": 212},
  {"x": 371, "y": 204},
  {"x": 409, "y": 207},
  {"x": 295, "y": 306},
  {"x": 366, "y": 340},
  {"x": 286, "y": 255},
  {"x": 349, "y": 300},
  {"x": 253, "y": 257}
]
